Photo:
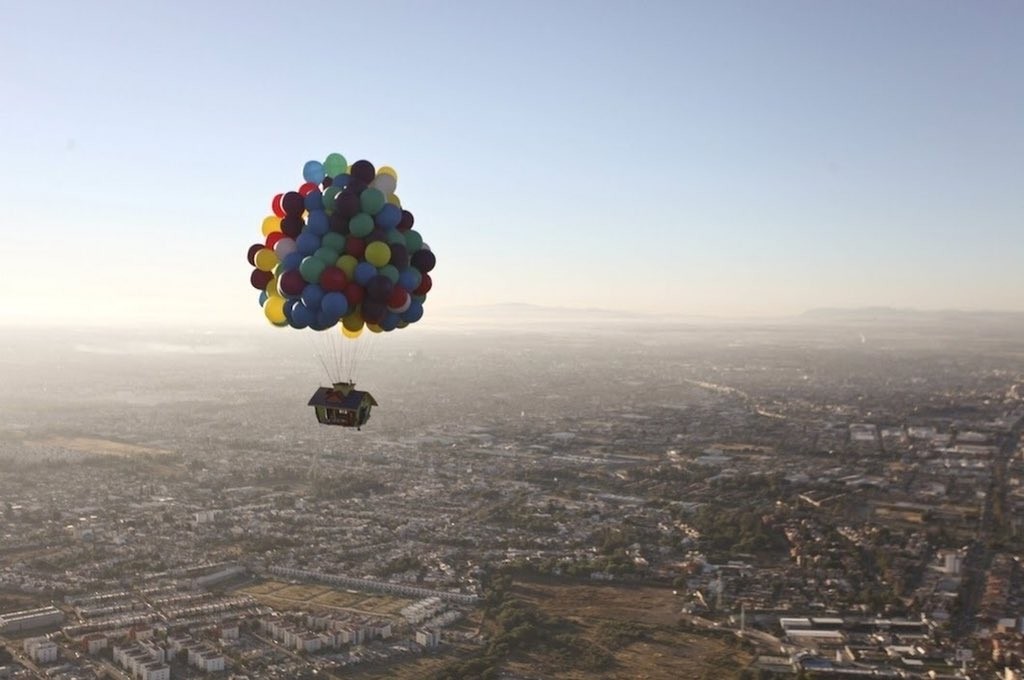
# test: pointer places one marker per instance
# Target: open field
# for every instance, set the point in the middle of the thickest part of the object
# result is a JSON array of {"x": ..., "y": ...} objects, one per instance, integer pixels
[
  {"x": 310, "y": 596},
  {"x": 654, "y": 648}
]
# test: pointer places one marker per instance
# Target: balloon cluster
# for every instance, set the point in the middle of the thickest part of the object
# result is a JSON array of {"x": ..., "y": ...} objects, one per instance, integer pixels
[{"x": 341, "y": 249}]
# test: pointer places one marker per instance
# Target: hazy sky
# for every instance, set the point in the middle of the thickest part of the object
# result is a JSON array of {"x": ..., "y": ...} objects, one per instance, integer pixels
[{"x": 725, "y": 158}]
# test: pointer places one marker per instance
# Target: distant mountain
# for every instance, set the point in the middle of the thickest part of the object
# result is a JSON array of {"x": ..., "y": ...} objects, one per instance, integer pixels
[
  {"x": 893, "y": 315},
  {"x": 521, "y": 309}
]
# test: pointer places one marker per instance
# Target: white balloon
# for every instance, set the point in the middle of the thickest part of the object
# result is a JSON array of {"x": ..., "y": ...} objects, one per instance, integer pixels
[
  {"x": 284, "y": 247},
  {"x": 385, "y": 183}
]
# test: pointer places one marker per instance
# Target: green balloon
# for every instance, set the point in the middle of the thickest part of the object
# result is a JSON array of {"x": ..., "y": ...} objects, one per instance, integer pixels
[
  {"x": 372, "y": 200},
  {"x": 326, "y": 255},
  {"x": 396, "y": 237},
  {"x": 413, "y": 241},
  {"x": 311, "y": 268},
  {"x": 334, "y": 241},
  {"x": 390, "y": 271},
  {"x": 335, "y": 164},
  {"x": 330, "y": 193},
  {"x": 361, "y": 225}
]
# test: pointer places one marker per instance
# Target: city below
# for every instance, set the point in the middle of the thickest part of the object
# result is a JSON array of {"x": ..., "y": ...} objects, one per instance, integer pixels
[{"x": 836, "y": 495}]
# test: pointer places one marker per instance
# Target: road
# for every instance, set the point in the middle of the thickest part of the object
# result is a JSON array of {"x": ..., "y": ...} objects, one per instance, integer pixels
[
  {"x": 980, "y": 552},
  {"x": 16, "y": 651}
]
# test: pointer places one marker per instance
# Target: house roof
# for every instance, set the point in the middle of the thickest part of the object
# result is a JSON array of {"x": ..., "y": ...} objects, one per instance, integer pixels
[{"x": 332, "y": 398}]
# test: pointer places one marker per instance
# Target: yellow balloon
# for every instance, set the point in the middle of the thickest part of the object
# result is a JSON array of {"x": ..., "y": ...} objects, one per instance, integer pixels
[
  {"x": 274, "y": 309},
  {"x": 271, "y": 224},
  {"x": 378, "y": 253},
  {"x": 347, "y": 264},
  {"x": 387, "y": 170},
  {"x": 266, "y": 260},
  {"x": 351, "y": 335},
  {"x": 272, "y": 289},
  {"x": 352, "y": 321},
  {"x": 374, "y": 328},
  {"x": 394, "y": 200}
]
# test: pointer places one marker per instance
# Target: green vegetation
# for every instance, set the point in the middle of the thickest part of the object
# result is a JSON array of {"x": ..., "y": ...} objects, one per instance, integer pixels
[{"x": 518, "y": 627}]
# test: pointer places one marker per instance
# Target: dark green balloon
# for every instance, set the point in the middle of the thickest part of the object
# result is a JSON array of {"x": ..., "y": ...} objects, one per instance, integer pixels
[
  {"x": 413, "y": 241},
  {"x": 361, "y": 225},
  {"x": 326, "y": 255},
  {"x": 372, "y": 200},
  {"x": 330, "y": 193},
  {"x": 311, "y": 268},
  {"x": 334, "y": 241}
]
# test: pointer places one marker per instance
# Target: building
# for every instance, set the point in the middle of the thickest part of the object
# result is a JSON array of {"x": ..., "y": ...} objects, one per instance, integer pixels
[
  {"x": 27, "y": 619},
  {"x": 92, "y": 644},
  {"x": 41, "y": 650},
  {"x": 211, "y": 662},
  {"x": 154, "y": 671},
  {"x": 308, "y": 642},
  {"x": 428, "y": 638},
  {"x": 228, "y": 631}
]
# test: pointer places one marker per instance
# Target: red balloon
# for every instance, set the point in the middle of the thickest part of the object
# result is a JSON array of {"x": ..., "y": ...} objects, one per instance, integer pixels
[
  {"x": 354, "y": 293},
  {"x": 260, "y": 279},
  {"x": 425, "y": 285},
  {"x": 253, "y": 249},
  {"x": 291, "y": 283},
  {"x": 333, "y": 280},
  {"x": 273, "y": 238},
  {"x": 307, "y": 188},
  {"x": 398, "y": 297},
  {"x": 276, "y": 207},
  {"x": 355, "y": 247}
]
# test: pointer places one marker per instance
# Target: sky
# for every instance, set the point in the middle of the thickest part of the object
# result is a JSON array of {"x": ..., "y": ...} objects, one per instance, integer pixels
[{"x": 731, "y": 159}]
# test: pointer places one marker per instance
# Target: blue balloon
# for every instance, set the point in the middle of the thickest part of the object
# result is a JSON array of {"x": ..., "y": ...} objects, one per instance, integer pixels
[
  {"x": 388, "y": 217},
  {"x": 288, "y": 306},
  {"x": 414, "y": 313},
  {"x": 312, "y": 295},
  {"x": 334, "y": 305},
  {"x": 314, "y": 200},
  {"x": 390, "y": 322},
  {"x": 302, "y": 316},
  {"x": 292, "y": 260},
  {"x": 323, "y": 321},
  {"x": 341, "y": 181},
  {"x": 364, "y": 272},
  {"x": 317, "y": 222},
  {"x": 410, "y": 279},
  {"x": 307, "y": 243},
  {"x": 313, "y": 171}
]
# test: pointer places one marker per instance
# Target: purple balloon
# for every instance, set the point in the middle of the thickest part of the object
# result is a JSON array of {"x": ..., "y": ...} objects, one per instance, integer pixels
[
  {"x": 423, "y": 260},
  {"x": 373, "y": 312},
  {"x": 379, "y": 288},
  {"x": 399, "y": 256}
]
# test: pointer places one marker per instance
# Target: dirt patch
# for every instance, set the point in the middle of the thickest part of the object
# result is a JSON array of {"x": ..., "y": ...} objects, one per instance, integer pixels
[
  {"x": 637, "y": 626},
  {"x": 96, "y": 447}
]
